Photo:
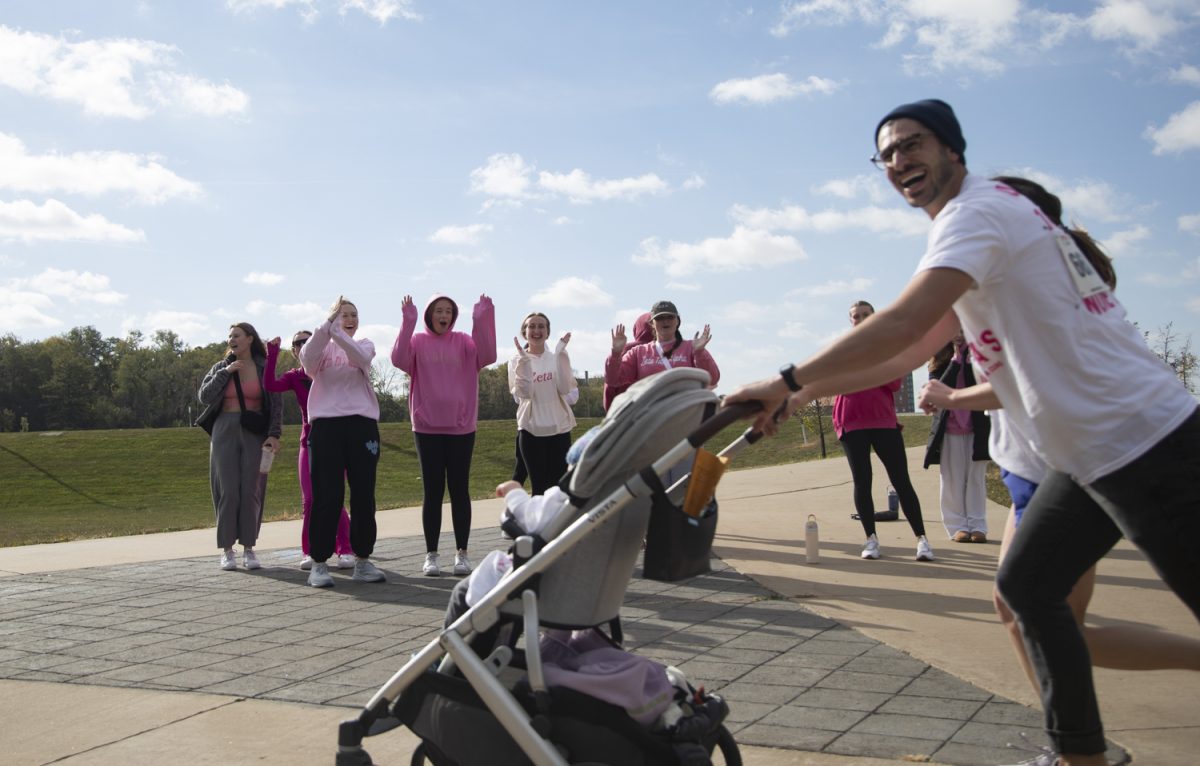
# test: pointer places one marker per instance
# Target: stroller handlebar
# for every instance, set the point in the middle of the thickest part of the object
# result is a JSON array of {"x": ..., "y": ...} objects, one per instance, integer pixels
[{"x": 723, "y": 417}]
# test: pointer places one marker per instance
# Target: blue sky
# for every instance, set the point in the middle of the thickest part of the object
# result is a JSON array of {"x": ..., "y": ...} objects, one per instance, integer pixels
[{"x": 183, "y": 166}]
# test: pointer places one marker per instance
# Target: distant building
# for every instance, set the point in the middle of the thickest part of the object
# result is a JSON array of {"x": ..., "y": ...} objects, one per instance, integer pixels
[{"x": 905, "y": 399}]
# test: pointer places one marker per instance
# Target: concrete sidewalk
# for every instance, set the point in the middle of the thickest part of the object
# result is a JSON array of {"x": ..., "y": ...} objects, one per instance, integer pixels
[{"x": 127, "y": 649}]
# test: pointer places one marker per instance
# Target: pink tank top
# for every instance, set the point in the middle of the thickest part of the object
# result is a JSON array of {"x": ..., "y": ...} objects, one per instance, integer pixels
[{"x": 251, "y": 392}]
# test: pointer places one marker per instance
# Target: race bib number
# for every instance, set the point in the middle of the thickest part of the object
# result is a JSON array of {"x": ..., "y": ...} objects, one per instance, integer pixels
[{"x": 1087, "y": 281}]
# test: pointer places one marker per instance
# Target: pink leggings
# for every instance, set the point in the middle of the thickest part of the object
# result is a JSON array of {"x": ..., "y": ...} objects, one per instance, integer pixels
[{"x": 342, "y": 543}]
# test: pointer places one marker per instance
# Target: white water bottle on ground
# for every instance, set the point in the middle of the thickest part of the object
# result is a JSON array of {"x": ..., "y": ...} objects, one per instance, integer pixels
[
  {"x": 268, "y": 458},
  {"x": 812, "y": 553}
]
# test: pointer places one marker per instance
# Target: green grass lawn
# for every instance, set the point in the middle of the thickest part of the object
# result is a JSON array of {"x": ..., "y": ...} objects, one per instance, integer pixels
[{"x": 85, "y": 484}]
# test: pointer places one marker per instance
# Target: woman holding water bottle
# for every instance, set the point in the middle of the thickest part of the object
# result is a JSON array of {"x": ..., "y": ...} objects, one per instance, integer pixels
[{"x": 244, "y": 420}]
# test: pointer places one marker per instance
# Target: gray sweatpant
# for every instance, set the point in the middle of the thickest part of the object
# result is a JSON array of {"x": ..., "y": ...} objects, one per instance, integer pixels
[{"x": 237, "y": 491}]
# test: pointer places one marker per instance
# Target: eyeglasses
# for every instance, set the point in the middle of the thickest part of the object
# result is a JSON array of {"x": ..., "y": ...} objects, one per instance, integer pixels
[
  {"x": 298, "y": 342},
  {"x": 908, "y": 145}
]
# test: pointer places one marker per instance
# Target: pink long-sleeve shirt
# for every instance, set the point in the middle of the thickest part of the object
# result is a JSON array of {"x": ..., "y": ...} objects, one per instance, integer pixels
[{"x": 872, "y": 408}]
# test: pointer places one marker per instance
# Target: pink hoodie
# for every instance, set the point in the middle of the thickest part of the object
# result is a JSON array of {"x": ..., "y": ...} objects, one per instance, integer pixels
[
  {"x": 643, "y": 332},
  {"x": 443, "y": 370}
]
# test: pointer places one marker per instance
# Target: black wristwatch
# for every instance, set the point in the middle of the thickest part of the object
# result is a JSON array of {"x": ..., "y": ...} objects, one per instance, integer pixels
[{"x": 786, "y": 372}]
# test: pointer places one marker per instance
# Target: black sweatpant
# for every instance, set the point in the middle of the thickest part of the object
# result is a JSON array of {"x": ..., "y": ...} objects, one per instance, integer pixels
[
  {"x": 343, "y": 450},
  {"x": 446, "y": 460},
  {"x": 889, "y": 445},
  {"x": 545, "y": 457}
]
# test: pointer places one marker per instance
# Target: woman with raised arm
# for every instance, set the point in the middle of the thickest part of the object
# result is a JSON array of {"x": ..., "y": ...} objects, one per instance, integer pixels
[
  {"x": 668, "y": 350},
  {"x": 443, "y": 401},
  {"x": 343, "y": 441},
  {"x": 544, "y": 387}
]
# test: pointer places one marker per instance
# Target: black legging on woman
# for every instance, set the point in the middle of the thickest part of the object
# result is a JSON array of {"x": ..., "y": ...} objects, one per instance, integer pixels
[
  {"x": 889, "y": 445},
  {"x": 446, "y": 461}
]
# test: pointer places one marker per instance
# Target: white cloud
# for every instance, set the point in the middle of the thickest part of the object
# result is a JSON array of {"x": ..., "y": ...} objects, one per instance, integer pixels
[
  {"x": 114, "y": 77},
  {"x": 1182, "y": 131},
  {"x": 382, "y": 11},
  {"x": 745, "y": 248},
  {"x": 889, "y": 221},
  {"x": 562, "y": 220},
  {"x": 579, "y": 186},
  {"x": 948, "y": 35},
  {"x": 460, "y": 235},
  {"x": 797, "y": 330},
  {"x": 1123, "y": 244},
  {"x": 53, "y": 221},
  {"x": 307, "y": 314},
  {"x": 186, "y": 324},
  {"x": 89, "y": 173},
  {"x": 769, "y": 88},
  {"x": 1134, "y": 22},
  {"x": 870, "y": 186},
  {"x": 21, "y": 308},
  {"x": 834, "y": 287},
  {"x": 571, "y": 291},
  {"x": 264, "y": 278},
  {"x": 1186, "y": 75},
  {"x": 505, "y": 176},
  {"x": 1193, "y": 305},
  {"x": 74, "y": 286},
  {"x": 694, "y": 181},
  {"x": 1190, "y": 223}
]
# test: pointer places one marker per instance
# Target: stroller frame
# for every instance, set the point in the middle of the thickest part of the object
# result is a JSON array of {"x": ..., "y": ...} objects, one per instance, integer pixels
[{"x": 452, "y": 646}]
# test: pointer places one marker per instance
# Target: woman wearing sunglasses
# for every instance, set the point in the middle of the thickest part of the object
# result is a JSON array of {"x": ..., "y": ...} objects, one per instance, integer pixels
[{"x": 298, "y": 382}]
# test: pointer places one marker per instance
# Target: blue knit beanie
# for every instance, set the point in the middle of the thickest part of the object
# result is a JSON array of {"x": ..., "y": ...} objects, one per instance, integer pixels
[{"x": 934, "y": 114}]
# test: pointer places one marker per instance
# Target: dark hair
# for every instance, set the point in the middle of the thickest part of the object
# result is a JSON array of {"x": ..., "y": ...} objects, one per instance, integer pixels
[
  {"x": 941, "y": 358},
  {"x": 856, "y": 304},
  {"x": 1051, "y": 205},
  {"x": 257, "y": 349},
  {"x": 936, "y": 115}
]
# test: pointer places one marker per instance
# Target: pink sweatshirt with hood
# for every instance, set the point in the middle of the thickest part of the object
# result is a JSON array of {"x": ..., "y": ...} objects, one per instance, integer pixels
[{"x": 443, "y": 370}]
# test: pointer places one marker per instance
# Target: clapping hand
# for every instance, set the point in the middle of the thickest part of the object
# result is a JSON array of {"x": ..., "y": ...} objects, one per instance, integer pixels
[
  {"x": 701, "y": 340},
  {"x": 562, "y": 343}
]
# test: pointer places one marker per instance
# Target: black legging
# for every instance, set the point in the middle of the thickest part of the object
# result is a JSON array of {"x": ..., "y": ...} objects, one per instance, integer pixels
[
  {"x": 545, "y": 457},
  {"x": 446, "y": 459},
  {"x": 889, "y": 445}
]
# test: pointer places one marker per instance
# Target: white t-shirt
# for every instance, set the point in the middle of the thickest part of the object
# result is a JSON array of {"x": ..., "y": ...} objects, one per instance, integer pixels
[
  {"x": 1073, "y": 375},
  {"x": 1011, "y": 451}
]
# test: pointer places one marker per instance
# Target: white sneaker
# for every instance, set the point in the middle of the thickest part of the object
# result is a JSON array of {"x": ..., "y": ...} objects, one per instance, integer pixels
[
  {"x": 319, "y": 577},
  {"x": 871, "y": 549},
  {"x": 250, "y": 560},
  {"x": 306, "y": 563},
  {"x": 431, "y": 568},
  {"x": 462, "y": 564},
  {"x": 228, "y": 560},
  {"x": 365, "y": 571},
  {"x": 345, "y": 560},
  {"x": 924, "y": 552}
]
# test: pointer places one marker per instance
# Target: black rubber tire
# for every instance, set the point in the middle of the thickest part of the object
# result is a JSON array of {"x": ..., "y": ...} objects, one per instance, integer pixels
[{"x": 728, "y": 747}]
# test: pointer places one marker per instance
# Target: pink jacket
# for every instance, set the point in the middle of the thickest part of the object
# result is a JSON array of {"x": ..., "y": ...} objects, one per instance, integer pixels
[
  {"x": 642, "y": 361},
  {"x": 872, "y": 408},
  {"x": 443, "y": 370},
  {"x": 643, "y": 332}
]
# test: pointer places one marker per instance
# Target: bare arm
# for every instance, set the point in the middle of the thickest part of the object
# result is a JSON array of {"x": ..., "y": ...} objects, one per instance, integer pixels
[
  {"x": 936, "y": 395},
  {"x": 921, "y": 321}
]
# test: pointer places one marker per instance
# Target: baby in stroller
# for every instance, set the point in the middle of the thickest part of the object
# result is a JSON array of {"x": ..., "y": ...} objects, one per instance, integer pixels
[{"x": 524, "y": 671}]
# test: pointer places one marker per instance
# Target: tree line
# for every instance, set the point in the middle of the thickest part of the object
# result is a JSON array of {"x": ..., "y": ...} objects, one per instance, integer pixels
[{"x": 82, "y": 380}]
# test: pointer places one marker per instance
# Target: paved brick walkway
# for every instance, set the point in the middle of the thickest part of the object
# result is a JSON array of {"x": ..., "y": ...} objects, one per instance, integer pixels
[{"x": 794, "y": 680}]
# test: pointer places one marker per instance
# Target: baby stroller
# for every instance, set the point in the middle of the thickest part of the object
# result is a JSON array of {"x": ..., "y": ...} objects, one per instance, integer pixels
[{"x": 474, "y": 697}]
